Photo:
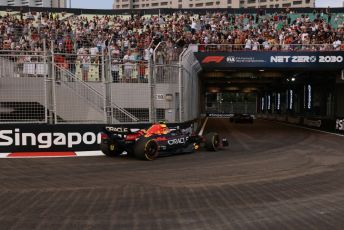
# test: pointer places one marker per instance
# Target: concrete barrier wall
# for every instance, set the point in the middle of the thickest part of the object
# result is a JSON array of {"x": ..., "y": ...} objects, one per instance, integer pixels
[{"x": 325, "y": 124}]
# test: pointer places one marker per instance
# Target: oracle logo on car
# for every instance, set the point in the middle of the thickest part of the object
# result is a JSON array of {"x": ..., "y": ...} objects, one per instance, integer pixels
[
  {"x": 177, "y": 141},
  {"x": 210, "y": 59}
]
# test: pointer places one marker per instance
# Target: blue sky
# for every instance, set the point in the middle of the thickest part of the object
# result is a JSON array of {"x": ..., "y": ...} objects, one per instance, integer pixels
[
  {"x": 92, "y": 4},
  {"x": 107, "y": 4}
]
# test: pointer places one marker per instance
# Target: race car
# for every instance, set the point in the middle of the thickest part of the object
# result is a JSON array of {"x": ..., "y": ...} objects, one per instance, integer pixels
[
  {"x": 156, "y": 141},
  {"x": 241, "y": 118}
]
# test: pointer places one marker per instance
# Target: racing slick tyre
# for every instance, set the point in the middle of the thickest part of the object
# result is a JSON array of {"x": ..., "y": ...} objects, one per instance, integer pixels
[
  {"x": 212, "y": 141},
  {"x": 146, "y": 149},
  {"x": 111, "y": 149}
]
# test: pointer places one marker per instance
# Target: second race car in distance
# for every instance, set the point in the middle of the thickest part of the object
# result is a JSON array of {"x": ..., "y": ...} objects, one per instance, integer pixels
[
  {"x": 242, "y": 118},
  {"x": 156, "y": 141}
]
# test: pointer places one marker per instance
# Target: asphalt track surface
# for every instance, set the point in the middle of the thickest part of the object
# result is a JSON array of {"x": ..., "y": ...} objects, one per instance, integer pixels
[{"x": 270, "y": 177}]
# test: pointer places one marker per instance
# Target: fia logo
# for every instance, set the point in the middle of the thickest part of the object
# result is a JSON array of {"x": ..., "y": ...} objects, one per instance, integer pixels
[{"x": 230, "y": 59}]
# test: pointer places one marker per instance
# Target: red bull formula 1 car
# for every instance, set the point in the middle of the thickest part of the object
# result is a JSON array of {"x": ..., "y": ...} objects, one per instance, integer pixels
[{"x": 156, "y": 141}]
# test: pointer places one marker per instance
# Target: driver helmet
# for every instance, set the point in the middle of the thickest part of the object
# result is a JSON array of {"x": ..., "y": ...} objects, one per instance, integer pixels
[{"x": 163, "y": 128}]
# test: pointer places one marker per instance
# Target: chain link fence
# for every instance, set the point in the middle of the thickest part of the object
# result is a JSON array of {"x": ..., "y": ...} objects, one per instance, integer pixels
[
  {"x": 23, "y": 87},
  {"x": 97, "y": 86},
  {"x": 231, "y": 107}
]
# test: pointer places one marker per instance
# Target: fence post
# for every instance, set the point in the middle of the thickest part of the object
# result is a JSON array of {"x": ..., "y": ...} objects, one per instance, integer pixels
[
  {"x": 151, "y": 82},
  {"x": 181, "y": 86},
  {"x": 46, "y": 74},
  {"x": 180, "y": 89},
  {"x": 106, "y": 73},
  {"x": 50, "y": 85},
  {"x": 54, "y": 110}
]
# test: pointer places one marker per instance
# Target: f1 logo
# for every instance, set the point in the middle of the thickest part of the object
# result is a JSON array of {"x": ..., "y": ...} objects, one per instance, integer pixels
[{"x": 216, "y": 59}]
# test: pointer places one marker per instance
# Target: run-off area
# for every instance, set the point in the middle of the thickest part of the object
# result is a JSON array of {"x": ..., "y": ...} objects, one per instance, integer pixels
[{"x": 270, "y": 175}]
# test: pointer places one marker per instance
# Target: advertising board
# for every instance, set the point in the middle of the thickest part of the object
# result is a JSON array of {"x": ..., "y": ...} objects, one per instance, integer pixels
[{"x": 325, "y": 60}]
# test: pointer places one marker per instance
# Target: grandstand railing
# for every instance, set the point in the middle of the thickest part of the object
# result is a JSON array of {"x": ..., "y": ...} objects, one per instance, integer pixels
[
  {"x": 81, "y": 92},
  {"x": 167, "y": 53},
  {"x": 92, "y": 97},
  {"x": 20, "y": 64},
  {"x": 130, "y": 68}
]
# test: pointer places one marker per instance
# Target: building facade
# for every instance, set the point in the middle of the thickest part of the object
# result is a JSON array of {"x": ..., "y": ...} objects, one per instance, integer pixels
[
  {"x": 150, "y": 4},
  {"x": 36, "y": 3}
]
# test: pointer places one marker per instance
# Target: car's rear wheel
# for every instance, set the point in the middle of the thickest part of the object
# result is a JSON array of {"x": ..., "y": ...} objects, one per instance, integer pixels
[
  {"x": 111, "y": 149},
  {"x": 146, "y": 149},
  {"x": 212, "y": 141}
]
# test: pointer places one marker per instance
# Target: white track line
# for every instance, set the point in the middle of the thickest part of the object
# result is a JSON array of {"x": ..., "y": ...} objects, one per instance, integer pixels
[
  {"x": 203, "y": 126},
  {"x": 89, "y": 153},
  {"x": 4, "y": 155}
]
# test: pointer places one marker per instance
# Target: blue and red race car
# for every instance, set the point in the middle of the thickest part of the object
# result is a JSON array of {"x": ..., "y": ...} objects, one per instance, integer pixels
[{"x": 156, "y": 141}]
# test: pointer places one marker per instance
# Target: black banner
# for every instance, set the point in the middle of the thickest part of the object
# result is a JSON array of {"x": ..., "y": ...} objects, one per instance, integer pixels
[
  {"x": 48, "y": 138},
  {"x": 324, "y": 60},
  {"x": 220, "y": 115},
  {"x": 329, "y": 125}
]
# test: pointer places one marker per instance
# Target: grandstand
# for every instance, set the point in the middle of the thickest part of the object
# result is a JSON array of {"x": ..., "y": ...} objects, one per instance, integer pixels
[{"x": 88, "y": 61}]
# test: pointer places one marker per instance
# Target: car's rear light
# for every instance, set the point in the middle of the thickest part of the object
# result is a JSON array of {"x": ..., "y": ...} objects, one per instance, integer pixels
[
  {"x": 103, "y": 136},
  {"x": 130, "y": 137},
  {"x": 161, "y": 139},
  {"x": 133, "y": 137}
]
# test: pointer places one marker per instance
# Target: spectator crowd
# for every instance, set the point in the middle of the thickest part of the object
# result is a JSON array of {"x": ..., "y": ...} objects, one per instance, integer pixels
[{"x": 131, "y": 39}]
